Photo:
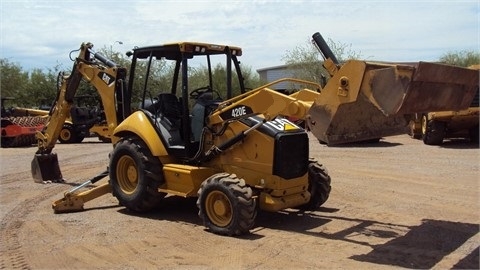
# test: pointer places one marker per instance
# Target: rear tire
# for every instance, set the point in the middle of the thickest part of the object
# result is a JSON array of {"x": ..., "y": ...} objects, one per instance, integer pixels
[
  {"x": 105, "y": 139},
  {"x": 135, "y": 175},
  {"x": 226, "y": 205},
  {"x": 415, "y": 132},
  {"x": 79, "y": 138},
  {"x": 67, "y": 134},
  {"x": 433, "y": 131},
  {"x": 318, "y": 185},
  {"x": 7, "y": 142}
]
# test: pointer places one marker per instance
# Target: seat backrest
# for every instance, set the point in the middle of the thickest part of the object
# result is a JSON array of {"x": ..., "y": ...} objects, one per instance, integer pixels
[
  {"x": 169, "y": 106},
  {"x": 80, "y": 115},
  {"x": 203, "y": 106}
]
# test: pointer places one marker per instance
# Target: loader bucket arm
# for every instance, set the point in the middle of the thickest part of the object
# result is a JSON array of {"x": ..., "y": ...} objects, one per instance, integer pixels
[
  {"x": 264, "y": 101},
  {"x": 369, "y": 100}
]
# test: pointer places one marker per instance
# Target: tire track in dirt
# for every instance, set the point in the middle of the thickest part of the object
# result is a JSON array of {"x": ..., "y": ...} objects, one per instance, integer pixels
[
  {"x": 12, "y": 222},
  {"x": 373, "y": 219}
]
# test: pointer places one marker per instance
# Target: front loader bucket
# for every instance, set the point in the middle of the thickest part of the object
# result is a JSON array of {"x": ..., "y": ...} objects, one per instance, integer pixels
[
  {"x": 366, "y": 100},
  {"x": 426, "y": 88},
  {"x": 45, "y": 168}
]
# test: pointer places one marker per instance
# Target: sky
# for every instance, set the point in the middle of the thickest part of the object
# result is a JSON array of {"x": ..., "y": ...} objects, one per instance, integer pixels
[{"x": 41, "y": 34}]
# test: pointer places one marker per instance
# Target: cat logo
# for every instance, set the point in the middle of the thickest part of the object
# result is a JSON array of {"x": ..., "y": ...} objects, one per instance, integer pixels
[
  {"x": 282, "y": 124},
  {"x": 108, "y": 79}
]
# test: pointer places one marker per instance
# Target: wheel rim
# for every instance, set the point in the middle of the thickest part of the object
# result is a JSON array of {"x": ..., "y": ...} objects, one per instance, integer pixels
[
  {"x": 424, "y": 125},
  {"x": 65, "y": 134},
  {"x": 218, "y": 208},
  {"x": 127, "y": 174}
]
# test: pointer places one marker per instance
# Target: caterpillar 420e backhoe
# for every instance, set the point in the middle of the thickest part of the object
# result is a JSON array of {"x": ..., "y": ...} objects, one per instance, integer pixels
[{"x": 236, "y": 155}]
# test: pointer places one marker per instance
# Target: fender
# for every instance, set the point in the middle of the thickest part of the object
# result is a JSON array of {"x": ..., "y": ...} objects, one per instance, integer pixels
[{"x": 139, "y": 124}]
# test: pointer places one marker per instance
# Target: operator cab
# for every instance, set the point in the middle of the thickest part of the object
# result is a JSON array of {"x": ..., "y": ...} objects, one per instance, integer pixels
[{"x": 178, "y": 85}]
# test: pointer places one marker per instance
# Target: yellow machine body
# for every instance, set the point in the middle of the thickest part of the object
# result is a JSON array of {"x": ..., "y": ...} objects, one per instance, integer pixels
[{"x": 242, "y": 153}]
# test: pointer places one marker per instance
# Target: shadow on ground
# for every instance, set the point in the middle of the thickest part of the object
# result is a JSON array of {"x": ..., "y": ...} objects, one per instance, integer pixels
[
  {"x": 421, "y": 247},
  {"x": 418, "y": 247},
  {"x": 425, "y": 245}
]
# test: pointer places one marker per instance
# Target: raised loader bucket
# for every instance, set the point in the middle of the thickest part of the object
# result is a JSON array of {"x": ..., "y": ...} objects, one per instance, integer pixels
[
  {"x": 428, "y": 87},
  {"x": 45, "y": 168},
  {"x": 365, "y": 100}
]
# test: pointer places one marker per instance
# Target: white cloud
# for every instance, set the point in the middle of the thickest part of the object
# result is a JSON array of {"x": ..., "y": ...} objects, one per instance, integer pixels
[{"x": 38, "y": 34}]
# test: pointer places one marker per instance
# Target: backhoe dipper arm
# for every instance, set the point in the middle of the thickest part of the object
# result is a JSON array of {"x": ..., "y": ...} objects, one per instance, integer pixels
[
  {"x": 100, "y": 74},
  {"x": 49, "y": 135},
  {"x": 107, "y": 78}
]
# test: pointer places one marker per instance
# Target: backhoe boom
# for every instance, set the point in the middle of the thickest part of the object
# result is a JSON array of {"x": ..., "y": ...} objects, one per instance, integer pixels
[{"x": 107, "y": 78}]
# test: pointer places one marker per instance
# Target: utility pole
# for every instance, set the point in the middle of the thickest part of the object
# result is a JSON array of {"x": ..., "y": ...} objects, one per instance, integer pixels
[{"x": 111, "y": 47}]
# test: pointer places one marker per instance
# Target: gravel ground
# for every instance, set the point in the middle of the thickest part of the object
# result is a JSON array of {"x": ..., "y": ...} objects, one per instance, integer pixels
[{"x": 397, "y": 204}]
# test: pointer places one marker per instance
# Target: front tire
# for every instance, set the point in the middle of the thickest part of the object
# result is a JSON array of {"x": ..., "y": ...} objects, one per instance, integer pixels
[
  {"x": 318, "y": 185},
  {"x": 433, "y": 131},
  {"x": 135, "y": 175},
  {"x": 226, "y": 205},
  {"x": 474, "y": 134}
]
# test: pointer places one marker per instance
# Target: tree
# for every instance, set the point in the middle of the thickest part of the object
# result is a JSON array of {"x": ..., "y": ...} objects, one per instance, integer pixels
[
  {"x": 199, "y": 78},
  {"x": 13, "y": 81},
  {"x": 463, "y": 58},
  {"x": 306, "y": 62},
  {"x": 41, "y": 89}
]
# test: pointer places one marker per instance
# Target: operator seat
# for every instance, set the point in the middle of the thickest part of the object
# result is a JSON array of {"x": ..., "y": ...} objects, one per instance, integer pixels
[
  {"x": 168, "y": 113},
  {"x": 83, "y": 116},
  {"x": 169, "y": 107},
  {"x": 203, "y": 106}
]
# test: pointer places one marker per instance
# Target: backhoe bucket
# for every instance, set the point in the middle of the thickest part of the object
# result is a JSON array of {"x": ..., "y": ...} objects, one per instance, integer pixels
[
  {"x": 45, "y": 168},
  {"x": 366, "y": 100}
]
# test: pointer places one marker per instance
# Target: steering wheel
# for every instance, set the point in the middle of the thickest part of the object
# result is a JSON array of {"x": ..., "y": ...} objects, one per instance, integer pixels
[{"x": 200, "y": 91}]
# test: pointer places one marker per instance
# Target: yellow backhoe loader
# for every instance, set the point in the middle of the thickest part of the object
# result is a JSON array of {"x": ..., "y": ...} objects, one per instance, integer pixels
[{"x": 235, "y": 154}]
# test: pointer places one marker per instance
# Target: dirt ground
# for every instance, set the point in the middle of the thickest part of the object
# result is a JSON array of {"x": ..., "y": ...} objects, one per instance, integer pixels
[{"x": 395, "y": 204}]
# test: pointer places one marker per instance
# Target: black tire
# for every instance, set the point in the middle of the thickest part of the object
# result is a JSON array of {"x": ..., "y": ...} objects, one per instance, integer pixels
[
  {"x": 105, "y": 139},
  {"x": 433, "y": 131},
  {"x": 7, "y": 142},
  {"x": 135, "y": 175},
  {"x": 226, "y": 205},
  {"x": 318, "y": 185},
  {"x": 414, "y": 132},
  {"x": 79, "y": 138},
  {"x": 67, "y": 134},
  {"x": 474, "y": 134},
  {"x": 25, "y": 140}
]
